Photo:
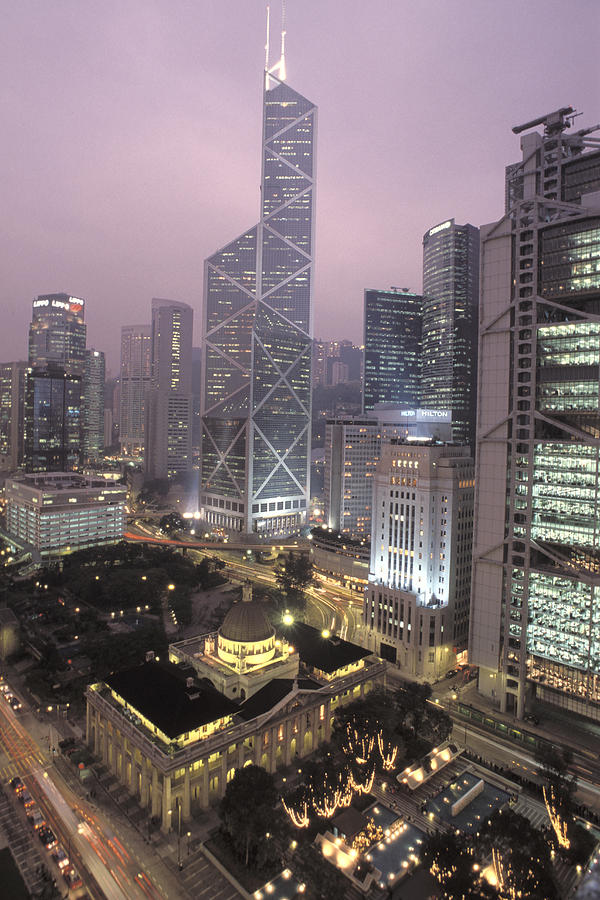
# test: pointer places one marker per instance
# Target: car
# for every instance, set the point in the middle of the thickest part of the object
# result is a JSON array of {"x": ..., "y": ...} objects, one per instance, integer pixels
[
  {"x": 73, "y": 878},
  {"x": 60, "y": 858},
  {"x": 8, "y": 695},
  {"x": 46, "y": 836},
  {"x": 5, "y": 689},
  {"x": 530, "y": 717},
  {"x": 36, "y": 819},
  {"x": 26, "y": 799},
  {"x": 17, "y": 785},
  {"x": 15, "y": 703}
]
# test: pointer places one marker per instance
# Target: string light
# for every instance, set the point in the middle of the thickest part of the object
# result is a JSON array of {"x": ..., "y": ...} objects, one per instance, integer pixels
[
  {"x": 559, "y": 825},
  {"x": 388, "y": 753}
]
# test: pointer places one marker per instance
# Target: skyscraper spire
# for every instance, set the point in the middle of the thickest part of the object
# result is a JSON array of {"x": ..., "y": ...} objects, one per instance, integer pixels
[{"x": 278, "y": 68}]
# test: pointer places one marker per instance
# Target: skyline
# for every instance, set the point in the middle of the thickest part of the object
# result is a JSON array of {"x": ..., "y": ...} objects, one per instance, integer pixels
[{"x": 128, "y": 197}]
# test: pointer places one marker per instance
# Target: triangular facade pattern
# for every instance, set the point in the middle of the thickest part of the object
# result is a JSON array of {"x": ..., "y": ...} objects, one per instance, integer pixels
[{"x": 257, "y": 339}]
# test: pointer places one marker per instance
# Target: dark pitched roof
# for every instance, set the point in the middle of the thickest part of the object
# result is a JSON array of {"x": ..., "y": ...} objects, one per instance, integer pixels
[
  {"x": 349, "y": 823},
  {"x": 318, "y": 652},
  {"x": 270, "y": 695},
  {"x": 160, "y": 693}
]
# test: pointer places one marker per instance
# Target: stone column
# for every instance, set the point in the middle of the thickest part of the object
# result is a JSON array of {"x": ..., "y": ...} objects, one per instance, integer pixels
[
  {"x": 144, "y": 783},
  {"x": 88, "y": 724},
  {"x": 155, "y": 795},
  {"x": 240, "y": 755},
  {"x": 105, "y": 743},
  {"x": 166, "y": 804},
  {"x": 288, "y": 735},
  {"x": 205, "y": 780},
  {"x": 327, "y": 722},
  {"x": 187, "y": 799},
  {"x": 223, "y": 774}
]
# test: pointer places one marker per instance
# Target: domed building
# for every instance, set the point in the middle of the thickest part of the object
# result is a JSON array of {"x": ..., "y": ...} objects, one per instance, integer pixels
[{"x": 244, "y": 654}]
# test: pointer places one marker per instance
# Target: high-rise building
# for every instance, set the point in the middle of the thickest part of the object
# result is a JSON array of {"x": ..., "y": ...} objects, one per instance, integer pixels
[
  {"x": 57, "y": 333},
  {"x": 93, "y": 403},
  {"x": 535, "y": 615},
  {"x": 12, "y": 402},
  {"x": 352, "y": 451},
  {"x": 52, "y": 419},
  {"x": 168, "y": 446},
  {"x": 196, "y": 398},
  {"x": 416, "y": 607},
  {"x": 392, "y": 370},
  {"x": 136, "y": 373},
  {"x": 257, "y": 339},
  {"x": 450, "y": 307},
  {"x": 60, "y": 512}
]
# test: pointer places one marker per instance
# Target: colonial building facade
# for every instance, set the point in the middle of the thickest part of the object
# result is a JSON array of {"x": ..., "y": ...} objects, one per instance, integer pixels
[{"x": 174, "y": 733}]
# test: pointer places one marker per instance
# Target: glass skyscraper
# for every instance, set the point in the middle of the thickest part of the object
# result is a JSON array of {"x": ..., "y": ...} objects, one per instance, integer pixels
[
  {"x": 257, "y": 328},
  {"x": 450, "y": 307},
  {"x": 535, "y": 609},
  {"x": 53, "y": 420},
  {"x": 57, "y": 332},
  {"x": 392, "y": 361},
  {"x": 93, "y": 403},
  {"x": 136, "y": 375}
]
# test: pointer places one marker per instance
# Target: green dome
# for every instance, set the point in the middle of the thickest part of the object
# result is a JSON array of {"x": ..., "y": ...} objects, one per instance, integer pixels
[{"x": 246, "y": 623}]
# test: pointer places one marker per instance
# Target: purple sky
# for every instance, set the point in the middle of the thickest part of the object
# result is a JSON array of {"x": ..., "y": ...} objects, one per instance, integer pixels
[{"x": 131, "y": 138}]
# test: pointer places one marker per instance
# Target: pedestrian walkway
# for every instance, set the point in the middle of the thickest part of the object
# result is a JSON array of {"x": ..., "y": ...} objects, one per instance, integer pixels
[
  {"x": 20, "y": 840},
  {"x": 203, "y": 881}
]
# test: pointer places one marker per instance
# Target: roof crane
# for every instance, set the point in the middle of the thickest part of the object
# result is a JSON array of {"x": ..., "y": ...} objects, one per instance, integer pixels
[{"x": 553, "y": 122}]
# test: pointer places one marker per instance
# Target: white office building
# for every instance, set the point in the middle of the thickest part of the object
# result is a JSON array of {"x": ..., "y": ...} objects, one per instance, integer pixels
[
  {"x": 57, "y": 512},
  {"x": 352, "y": 451},
  {"x": 416, "y": 605}
]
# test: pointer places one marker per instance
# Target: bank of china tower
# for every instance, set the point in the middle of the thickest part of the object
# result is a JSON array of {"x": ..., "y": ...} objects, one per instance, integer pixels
[{"x": 257, "y": 330}]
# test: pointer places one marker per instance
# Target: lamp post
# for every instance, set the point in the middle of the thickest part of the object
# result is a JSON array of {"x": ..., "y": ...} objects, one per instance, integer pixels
[{"x": 178, "y": 805}]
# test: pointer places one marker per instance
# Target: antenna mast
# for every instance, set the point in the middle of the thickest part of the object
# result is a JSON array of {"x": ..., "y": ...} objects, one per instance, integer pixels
[{"x": 278, "y": 69}]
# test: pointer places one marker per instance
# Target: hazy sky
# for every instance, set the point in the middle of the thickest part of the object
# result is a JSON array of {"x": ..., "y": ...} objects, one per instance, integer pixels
[{"x": 131, "y": 138}]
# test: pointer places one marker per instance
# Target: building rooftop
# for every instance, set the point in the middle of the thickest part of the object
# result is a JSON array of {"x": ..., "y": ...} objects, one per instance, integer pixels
[
  {"x": 271, "y": 694},
  {"x": 328, "y": 654},
  {"x": 7, "y": 616},
  {"x": 159, "y": 691}
]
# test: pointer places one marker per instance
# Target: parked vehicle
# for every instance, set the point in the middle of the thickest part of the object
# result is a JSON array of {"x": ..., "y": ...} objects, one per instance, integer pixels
[
  {"x": 46, "y": 836},
  {"x": 15, "y": 703},
  {"x": 60, "y": 858},
  {"x": 26, "y": 799},
  {"x": 73, "y": 878},
  {"x": 17, "y": 785},
  {"x": 531, "y": 718},
  {"x": 36, "y": 818}
]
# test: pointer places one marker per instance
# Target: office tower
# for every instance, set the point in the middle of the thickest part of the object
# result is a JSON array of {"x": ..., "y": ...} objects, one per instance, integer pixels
[
  {"x": 93, "y": 403},
  {"x": 416, "y": 606},
  {"x": 60, "y": 511},
  {"x": 352, "y": 450},
  {"x": 57, "y": 333},
  {"x": 108, "y": 427},
  {"x": 392, "y": 325},
  {"x": 535, "y": 616},
  {"x": 257, "y": 339},
  {"x": 12, "y": 401},
  {"x": 196, "y": 398},
  {"x": 450, "y": 308},
  {"x": 168, "y": 447},
  {"x": 136, "y": 372},
  {"x": 352, "y": 357},
  {"x": 52, "y": 417}
]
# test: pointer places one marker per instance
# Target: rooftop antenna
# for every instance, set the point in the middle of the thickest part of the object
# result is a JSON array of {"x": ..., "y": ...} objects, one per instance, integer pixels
[
  {"x": 282, "y": 72},
  {"x": 278, "y": 69},
  {"x": 267, "y": 47}
]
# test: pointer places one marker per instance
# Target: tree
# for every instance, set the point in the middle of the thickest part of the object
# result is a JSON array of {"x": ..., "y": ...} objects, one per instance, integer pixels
[
  {"x": 293, "y": 575},
  {"x": 248, "y": 816},
  {"x": 323, "y": 880},
  {"x": 520, "y": 855},
  {"x": 448, "y": 857}
]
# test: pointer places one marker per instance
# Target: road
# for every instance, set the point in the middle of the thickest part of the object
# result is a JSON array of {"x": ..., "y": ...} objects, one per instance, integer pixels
[{"x": 107, "y": 867}]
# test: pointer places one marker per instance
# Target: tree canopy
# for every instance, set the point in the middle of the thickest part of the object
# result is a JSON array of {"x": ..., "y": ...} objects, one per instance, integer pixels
[{"x": 249, "y": 817}]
